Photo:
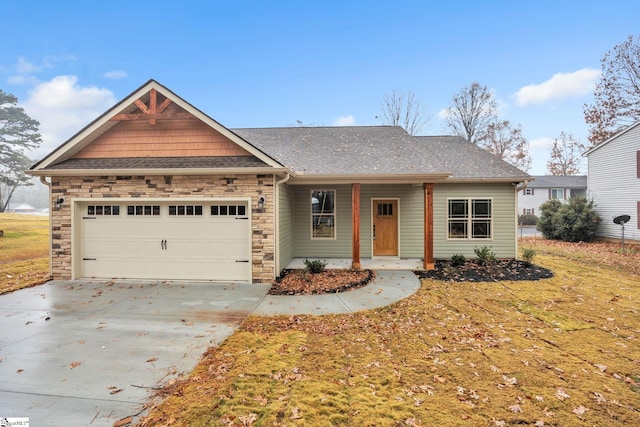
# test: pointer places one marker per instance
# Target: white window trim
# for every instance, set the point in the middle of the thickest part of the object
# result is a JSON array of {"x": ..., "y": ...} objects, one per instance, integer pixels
[
  {"x": 557, "y": 198},
  {"x": 469, "y": 220},
  {"x": 335, "y": 214}
]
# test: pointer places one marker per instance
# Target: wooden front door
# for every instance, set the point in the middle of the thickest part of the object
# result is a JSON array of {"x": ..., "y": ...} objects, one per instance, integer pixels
[{"x": 385, "y": 228}]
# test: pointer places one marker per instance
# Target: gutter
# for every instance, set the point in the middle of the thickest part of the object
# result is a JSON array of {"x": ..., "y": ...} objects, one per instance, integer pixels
[
  {"x": 156, "y": 171},
  {"x": 43, "y": 179},
  {"x": 276, "y": 219}
]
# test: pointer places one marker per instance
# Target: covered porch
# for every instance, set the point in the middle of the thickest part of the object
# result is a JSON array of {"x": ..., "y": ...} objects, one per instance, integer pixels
[{"x": 412, "y": 264}]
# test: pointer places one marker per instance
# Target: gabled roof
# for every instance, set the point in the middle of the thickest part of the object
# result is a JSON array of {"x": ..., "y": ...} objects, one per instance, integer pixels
[
  {"x": 548, "y": 181},
  {"x": 104, "y": 123},
  {"x": 378, "y": 151},
  {"x": 613, "y": 138},
  {"x": 337, "y": 154}
]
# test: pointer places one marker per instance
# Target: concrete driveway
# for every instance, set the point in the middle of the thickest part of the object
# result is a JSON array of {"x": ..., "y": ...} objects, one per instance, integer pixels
[{"x": 80, "y": 353}]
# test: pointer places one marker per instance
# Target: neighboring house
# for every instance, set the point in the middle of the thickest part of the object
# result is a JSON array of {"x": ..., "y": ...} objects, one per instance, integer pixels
[
  {"x": 22, "y": 208},
  {"x": 155, "y": 188},
  {"x": 546, "y": 187},
  {"x": 614, "y": 182}
]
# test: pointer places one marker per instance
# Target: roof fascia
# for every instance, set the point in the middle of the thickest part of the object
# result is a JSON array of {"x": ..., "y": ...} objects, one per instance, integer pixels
[
  {"x": 368, "y": 179},
  {"x": 158, "y": 171}
]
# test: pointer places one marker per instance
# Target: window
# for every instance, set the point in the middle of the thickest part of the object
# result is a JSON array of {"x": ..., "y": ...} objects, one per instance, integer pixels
[
  {"x": 469, "y": 219},
  {"x": 528, "y": 191},
  {"x": 103, "y": 210},
  {"x": 528, "y": 211},
  {"x": 557, "y": 193},
  {"x": 228, "y": 210},
  {"x": 323, "y": 214},
  {"x": 578, "y": 192},
  {"x": 143, "y": 210},
  {"x": 185, "y": 210}
]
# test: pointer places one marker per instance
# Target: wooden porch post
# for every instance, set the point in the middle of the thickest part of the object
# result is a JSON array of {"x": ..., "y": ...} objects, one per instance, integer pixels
[
  {"x": 428, "y": 226},
  {"x": 355, "y": 226}
]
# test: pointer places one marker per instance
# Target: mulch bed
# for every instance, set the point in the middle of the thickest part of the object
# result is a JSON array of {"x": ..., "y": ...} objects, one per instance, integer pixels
[
  {"x": 301, "y": 282},
  {"x": 471, "y": 271}
]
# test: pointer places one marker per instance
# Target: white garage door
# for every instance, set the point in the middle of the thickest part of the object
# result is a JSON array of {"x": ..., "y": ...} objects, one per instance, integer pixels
[{"x": 154, "y": 240}]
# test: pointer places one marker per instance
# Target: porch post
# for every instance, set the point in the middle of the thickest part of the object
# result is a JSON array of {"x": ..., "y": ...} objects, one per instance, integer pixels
[
  {"x": 428, "y": 226},
  {"x": 355, "y": 226}
]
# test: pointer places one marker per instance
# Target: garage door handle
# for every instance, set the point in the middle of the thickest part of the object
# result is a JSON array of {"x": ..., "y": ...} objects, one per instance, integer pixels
[
  {"x": 89, "y": 259},
  {"x": 163, "y": 245},
  {"x": 242, "y": 260}
]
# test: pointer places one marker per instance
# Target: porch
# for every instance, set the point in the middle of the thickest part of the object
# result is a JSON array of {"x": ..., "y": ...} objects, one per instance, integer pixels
[{"x": 365, "y": 263}]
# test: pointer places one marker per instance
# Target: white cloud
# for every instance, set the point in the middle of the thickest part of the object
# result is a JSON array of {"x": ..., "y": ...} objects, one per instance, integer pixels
[
  {"x": 345, "y": 121},
  {"x": 443, "y": 114},
  {"x": 115, "y": 74},
  {"x": 63, "y": 107},
  {"x": 541, "y": 143},
  {"x": 560, "y": 85}
]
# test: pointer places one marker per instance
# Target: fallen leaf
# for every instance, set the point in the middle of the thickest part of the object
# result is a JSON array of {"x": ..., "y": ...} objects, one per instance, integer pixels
[
  {"x": 20, "y": 371},
  {"x": 561, "y": 394},
  {"x": 580, "y": 410},
  {"x": 515, "y": 408},
  {"x": 153, "y": 359},
  {"x": 295, "y": 414},
  {"x": 123, "y": 422},
  {"x": 74, "y": 364}
]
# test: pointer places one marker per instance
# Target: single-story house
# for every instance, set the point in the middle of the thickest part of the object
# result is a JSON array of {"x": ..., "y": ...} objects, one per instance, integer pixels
[
  {"x": 614, "y": 182},
  {"x": 546, "y": 187},
  {"x": 155, "y": 188}
]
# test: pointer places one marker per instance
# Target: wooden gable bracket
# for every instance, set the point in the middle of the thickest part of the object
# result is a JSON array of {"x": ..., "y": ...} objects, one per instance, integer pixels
[{"x": 152, "y": 112}]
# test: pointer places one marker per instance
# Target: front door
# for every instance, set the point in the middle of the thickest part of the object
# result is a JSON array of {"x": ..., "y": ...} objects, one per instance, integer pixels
[{"x": 385, "y": 228}]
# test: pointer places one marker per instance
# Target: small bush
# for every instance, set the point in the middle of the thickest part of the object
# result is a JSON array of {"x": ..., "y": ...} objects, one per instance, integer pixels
[
  {"x": 575, "y": 221},
  {"x": 485, "y": 255},
  {"x": 458, "y": 260},
  {"x": 315, "y": 266},
  {"x": 527, "y": 219},
  {"x": 528, "y": 254}
]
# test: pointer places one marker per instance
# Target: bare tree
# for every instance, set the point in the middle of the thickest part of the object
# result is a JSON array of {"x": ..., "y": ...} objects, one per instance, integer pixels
[
  {"x": 403, "y": 110},
  {"x": 506, "y": 142},
  {"x": 566, "y": 156},
  {"x": 617, "y": 94},
  {"x": 471, "y": 111}
]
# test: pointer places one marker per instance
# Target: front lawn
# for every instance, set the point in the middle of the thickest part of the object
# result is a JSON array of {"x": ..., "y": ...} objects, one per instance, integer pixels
[
  {"x": 554, "y": 352},
  {"x": 24, "y": 253}
]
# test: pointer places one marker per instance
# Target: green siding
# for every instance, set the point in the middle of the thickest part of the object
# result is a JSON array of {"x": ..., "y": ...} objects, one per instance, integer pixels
[
  {"x": 411, "y": 223},
  {"x": 304, "y": 246},
  {"x": 286, "y": 217},
  {"x": 504, "y": 199}
]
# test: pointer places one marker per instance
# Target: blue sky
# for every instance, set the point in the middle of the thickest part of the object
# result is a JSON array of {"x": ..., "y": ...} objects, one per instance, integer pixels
[{"x": 262, "y": 64}]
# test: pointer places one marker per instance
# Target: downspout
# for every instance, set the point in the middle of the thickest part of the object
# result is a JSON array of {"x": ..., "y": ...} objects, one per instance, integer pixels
[
  {"x": 43, "y": 179},
  {"x": 276, "y": 213}
]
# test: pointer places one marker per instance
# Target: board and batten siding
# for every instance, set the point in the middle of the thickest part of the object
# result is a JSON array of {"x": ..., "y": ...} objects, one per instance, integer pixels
[
  {"x": 286, "y": 215},
  {"x": 504, "y": 205},
  {"x": 614, "y": 185}
]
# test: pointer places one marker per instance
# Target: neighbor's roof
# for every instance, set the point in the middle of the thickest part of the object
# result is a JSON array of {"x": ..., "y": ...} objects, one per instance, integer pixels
[
  {"x": 377, "y": 150},
  {"x": 547, "y": 181}
]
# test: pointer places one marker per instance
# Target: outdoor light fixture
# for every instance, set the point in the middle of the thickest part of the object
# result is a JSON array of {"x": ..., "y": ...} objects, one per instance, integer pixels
[
  {"x": 59, "y": 203},
  {"x": 260, "y": 202}
]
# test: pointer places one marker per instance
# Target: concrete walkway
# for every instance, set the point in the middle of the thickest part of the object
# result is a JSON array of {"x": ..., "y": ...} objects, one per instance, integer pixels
[
  {"x": 80, "y": 353},
  {"x": 387, "y": 288}
]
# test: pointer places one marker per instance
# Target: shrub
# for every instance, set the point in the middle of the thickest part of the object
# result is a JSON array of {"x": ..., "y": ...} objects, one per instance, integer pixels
[
  {"x": 485, "y": 255},
  {"x": 575, "y": 221},
  {"x": 527, "y": 219},
  {"x": 315, "y": 266},
  {"x": 528, "y": 254},
  {"x": 458, "y": 260}
]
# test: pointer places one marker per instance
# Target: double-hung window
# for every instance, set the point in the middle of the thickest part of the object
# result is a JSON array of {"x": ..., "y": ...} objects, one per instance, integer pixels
[
  {"x": 323, "y": 214},
  {"x": 557, "y": 193},
  {"x": 469, "y": 218}
]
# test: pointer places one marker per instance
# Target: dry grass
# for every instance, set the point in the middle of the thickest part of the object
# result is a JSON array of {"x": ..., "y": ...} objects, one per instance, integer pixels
[
  {"x": 24, "y": 253},
  {"x": 557, "y": 352}
]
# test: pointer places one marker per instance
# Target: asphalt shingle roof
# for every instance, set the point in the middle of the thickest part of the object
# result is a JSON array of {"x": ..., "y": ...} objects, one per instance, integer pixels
[
  {"x": 547, "y": 181},
  {"x": 161, "y": 163},
  {"x": 379, "y": 150}
]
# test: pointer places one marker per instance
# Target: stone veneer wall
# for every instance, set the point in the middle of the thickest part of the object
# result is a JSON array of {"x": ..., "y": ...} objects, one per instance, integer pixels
[{"x": 166, "y": 186}]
